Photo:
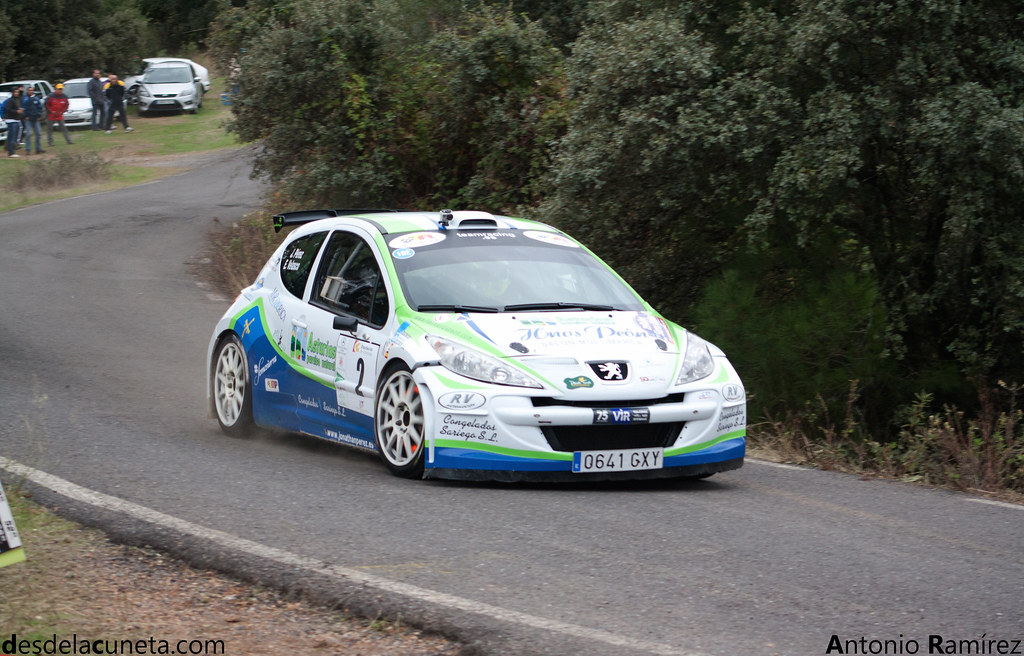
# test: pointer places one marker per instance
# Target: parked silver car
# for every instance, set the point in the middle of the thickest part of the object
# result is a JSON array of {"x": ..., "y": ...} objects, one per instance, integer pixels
[
  {"x": 171, "y": 86},
  {"x": 132, "y": 82}
]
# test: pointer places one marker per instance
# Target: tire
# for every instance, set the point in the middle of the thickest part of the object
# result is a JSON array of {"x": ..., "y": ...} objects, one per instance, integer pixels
[
  {"x": 232, "y": 391},
  {"x": 398, "y": 424}
]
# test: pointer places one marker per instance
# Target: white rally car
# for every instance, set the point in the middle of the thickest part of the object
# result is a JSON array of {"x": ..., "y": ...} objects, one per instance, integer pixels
[{"x": 470, "y": 346}]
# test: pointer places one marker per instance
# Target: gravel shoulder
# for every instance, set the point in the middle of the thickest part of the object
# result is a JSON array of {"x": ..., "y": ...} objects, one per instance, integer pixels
[{"x": 77, "y": 585}]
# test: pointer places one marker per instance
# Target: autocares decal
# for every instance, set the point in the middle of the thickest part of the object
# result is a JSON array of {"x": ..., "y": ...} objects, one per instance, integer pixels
[
  {"x": 551, "y": 238},
  {"x": 417, "y": 240}
]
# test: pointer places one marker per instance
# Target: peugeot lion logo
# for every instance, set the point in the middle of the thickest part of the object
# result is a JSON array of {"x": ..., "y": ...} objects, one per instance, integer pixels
[{"x": 616, "y": 370}]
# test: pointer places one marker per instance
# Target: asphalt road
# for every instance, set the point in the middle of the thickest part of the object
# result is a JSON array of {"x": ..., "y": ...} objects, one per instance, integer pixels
[{"x": 103, "y": 331}]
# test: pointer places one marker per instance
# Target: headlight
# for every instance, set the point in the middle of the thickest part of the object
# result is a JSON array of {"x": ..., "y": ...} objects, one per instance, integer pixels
[
  {"x": 187, "y": 92},
  {"x": 143, "y": 91},
  {"x": 473, "y": 364},
  {"x": 697, "y": 362}
]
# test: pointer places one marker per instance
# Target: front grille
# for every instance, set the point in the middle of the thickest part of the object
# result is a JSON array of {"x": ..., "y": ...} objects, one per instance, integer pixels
[
  {"x": 595, "y": 438},
  {"x": 541, "y": 402}
]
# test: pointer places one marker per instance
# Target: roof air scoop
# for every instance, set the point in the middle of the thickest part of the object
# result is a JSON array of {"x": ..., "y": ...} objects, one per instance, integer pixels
[{"x": 469, "y": 219}]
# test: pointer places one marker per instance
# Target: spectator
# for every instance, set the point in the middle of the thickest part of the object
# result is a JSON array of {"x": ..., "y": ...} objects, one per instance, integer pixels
[
  {"x": 114, "y": 90},
  {"x": 99, "y": 100},
  {"x": 56, "y": 105},
  {"x": 12, "y": 116},
  {"x": 33, "y": 108}
]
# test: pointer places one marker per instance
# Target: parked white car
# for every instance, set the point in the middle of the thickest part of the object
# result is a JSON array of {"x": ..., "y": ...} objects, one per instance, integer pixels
[
  {"x": 171, "y": 86},
  {"x": 42, "y": 87},
  {"x": 79, "y": 105}
]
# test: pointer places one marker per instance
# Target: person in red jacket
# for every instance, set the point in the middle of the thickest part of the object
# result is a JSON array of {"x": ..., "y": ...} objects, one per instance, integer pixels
[{"x": 56, "y": 105}]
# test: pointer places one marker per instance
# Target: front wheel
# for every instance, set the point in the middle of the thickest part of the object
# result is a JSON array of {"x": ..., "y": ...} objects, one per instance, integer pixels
[
  {"x": 398, "y": 424},
  {"x": 232, "y": 393}
]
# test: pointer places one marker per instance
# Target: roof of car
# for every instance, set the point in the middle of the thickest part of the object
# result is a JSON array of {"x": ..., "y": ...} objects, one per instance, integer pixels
[{"x": 391, "y": 222}]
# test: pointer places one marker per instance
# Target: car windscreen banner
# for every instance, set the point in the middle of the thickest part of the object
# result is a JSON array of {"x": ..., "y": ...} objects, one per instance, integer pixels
[{"x": 10, "y": 543}]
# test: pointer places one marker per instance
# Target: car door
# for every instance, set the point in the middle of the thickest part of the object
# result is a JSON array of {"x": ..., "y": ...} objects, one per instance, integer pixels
[
  {"x": 349, "y": 308},
  {"x": 283, "y": 389}
]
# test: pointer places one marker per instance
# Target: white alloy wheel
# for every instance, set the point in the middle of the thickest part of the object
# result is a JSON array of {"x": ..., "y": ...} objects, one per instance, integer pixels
[
  {"x": 398, "y": 424},
  {"x": 231, "y": 394}
]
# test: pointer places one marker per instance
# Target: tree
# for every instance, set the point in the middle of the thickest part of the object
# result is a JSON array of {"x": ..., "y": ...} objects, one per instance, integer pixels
[
  {"x": 106, "y": 34},
  {"x": 353, "y": 109},
  {"x": 782, "y": 140}
]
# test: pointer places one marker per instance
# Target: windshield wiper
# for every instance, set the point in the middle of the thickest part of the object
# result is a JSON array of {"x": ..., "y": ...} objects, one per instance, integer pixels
[
  {"x": 560, "y": 305},
  {"x": 456, "y": 308}
]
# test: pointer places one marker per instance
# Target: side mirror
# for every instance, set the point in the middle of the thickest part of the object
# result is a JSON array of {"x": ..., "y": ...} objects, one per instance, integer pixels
[{"x": 345, "y": 323}]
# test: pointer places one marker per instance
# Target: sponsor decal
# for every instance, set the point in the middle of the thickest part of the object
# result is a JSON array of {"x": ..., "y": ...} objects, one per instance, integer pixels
[
  {"x": 552, "y": 238},
  {"x": 248, "y": 324},
  {"x": 333, "y": 410},
  {"x": 307, "y": 347},
  {"x": 488, "y": 235},
  {"x": 308, "y": 402},
  {"x": 653, "y": 326},
  {"x": 443, "y": 318},
  {"x": 569, "y": 335},
  {"x": 416, "y": 240},
  {"x": 612, "y": 371},
  {"x": 272, "y": 385},
  {"x": 622, "y": 415},
  {"x": 579, "y": 382},
  {"x": 259, "y": 369},
  {"x": 732, "y": 418},
  {"x": 345, "y": 438},
  {"x": 462, "y": 400},
  {"x": 402, "y": 253},
  {"x": 468, "y": 428},
  {"x": 732, "y": 392},
  {"x": 293, "y": 260},
  {"x": 275, "y": 301},
  {"x": 398, "y": 338},
  {"x": 651, "y": 379}
]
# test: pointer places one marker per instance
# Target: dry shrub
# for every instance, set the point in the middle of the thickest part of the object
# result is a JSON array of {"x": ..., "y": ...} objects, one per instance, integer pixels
[
  {"x": 64, "y": 170},
  {"x": 238, "y": 251},
  {"x": 945, "y": 448}
]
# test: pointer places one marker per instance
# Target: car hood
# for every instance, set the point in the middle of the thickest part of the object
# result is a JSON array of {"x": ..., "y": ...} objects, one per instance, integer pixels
[
  {"x": 573, "y": 349},
  {"x": 168, "y": 87}
]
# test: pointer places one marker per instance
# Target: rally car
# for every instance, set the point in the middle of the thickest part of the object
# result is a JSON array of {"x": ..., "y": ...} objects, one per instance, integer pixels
[{"x": 465, "y": 345}]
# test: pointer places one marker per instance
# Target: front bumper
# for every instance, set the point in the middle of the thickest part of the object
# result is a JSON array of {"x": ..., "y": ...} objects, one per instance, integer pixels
[
  {"x": 515, "y": 437},
  {"x": 166, "y": 104}
]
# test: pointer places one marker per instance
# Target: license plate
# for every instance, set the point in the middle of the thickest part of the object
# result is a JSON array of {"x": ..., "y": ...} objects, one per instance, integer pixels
[
  {"x": 617, "y": 460},
  {"x": 621, "y": 415},
  {"x": 163, "y": 102}
]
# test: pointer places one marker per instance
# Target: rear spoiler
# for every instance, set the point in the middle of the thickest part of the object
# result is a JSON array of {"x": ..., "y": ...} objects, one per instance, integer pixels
[{"x": 305, "y": 216}]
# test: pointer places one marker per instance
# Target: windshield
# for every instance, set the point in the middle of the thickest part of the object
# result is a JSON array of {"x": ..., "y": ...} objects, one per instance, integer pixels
[
  {"x": 504, "y": 271},
  {"x": 75, "y": 90},
  {"x": 169, "y": 75}
]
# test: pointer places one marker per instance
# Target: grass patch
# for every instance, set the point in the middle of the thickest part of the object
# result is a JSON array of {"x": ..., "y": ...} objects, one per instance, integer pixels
[{"x": 63, "y": 170}]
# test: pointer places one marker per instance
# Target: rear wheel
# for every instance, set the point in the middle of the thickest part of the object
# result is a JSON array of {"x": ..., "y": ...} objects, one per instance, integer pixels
[
  {"x": 398, "y": 424},
  {"x": 232, "y": 393}
]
